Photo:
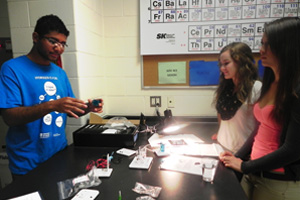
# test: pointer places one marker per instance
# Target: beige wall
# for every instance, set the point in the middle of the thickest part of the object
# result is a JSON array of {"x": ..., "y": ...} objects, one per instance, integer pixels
[
  {"x": 103, "y": 56},
  {"x": 123, "y": 69},
  {"x": 4, "y": 22},
  {"x": 4, "y": 32}
]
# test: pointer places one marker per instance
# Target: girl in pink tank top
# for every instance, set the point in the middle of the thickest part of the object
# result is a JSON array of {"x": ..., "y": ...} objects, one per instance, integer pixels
[{"x": 270, "y": 158}]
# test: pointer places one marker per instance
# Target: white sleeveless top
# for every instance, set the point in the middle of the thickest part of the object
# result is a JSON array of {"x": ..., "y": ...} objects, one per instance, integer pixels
[{"x": 233, "y": 133}]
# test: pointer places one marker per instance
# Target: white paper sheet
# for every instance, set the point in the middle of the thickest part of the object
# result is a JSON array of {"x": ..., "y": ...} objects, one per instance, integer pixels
[
  {"x": 185, "y": 144},
  {"x": 31, "y": 196},
  {"x": 186, "y": 164},
  {"x": 155, "y": 140}
]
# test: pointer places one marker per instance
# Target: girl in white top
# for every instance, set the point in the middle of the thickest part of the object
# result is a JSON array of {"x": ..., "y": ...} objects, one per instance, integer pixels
[{"x": 238, "y": 90}]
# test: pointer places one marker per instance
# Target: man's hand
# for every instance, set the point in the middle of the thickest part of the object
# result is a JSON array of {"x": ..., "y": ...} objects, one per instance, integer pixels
[
  {"x": 73, "y": 107},
  {"x": 23, "y": 115}
]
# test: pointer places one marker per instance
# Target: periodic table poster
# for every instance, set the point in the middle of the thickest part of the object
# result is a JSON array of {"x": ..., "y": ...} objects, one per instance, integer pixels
[{"x": 206, "y": 26}]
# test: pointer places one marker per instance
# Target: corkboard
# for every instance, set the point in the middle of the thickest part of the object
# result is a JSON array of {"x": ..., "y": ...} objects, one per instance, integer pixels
[{"x": 150, "y": 68}]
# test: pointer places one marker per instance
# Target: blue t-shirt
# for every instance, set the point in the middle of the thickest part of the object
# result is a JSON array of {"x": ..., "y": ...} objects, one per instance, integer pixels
[{"x": 25, "y": 83}]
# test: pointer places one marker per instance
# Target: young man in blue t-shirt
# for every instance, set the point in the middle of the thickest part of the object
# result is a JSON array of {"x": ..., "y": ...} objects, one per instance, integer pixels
[{"x": 36, "y": 97}]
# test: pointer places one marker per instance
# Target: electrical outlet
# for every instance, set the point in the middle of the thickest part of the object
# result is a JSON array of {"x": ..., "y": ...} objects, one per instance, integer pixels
[
  {"x": 171, "y": 102},
  {"x": 155, "y": 100}
]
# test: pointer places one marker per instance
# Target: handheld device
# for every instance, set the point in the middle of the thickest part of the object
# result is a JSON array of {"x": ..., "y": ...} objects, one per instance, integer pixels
[{"x": 95, "y": 102}]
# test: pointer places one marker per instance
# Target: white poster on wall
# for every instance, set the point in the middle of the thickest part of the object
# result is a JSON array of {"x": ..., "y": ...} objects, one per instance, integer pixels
[{"x": 197, "y": 26}]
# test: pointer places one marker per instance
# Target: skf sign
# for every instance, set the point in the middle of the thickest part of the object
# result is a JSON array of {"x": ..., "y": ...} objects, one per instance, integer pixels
[{"x": 165, "y": 36}]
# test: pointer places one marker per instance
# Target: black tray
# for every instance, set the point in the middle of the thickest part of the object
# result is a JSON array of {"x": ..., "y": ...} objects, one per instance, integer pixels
[{"x": 92, "y": 135}]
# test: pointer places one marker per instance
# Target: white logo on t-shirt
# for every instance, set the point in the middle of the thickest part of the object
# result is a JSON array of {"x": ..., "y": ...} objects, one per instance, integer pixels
[
  {"x": 50, "y": 88},
  {"x": 47, "y": 119}
]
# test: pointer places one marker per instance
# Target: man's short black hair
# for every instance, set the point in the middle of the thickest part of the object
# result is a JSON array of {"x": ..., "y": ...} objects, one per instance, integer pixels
[{"x": 49, "y": 23}]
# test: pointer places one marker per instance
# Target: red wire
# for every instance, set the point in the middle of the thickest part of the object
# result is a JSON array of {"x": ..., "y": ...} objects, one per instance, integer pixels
[{"x": 100, "y": 163}]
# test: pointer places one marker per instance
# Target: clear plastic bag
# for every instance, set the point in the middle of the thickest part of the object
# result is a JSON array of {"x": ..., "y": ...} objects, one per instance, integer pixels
[
  {"x": 70, "y": 187},
  {"x": 118, "y": 123},
  {"x": 153, "y": 191},
  {"x": 144, "y": 198}
]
